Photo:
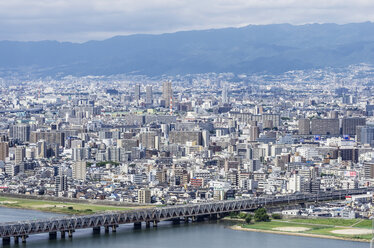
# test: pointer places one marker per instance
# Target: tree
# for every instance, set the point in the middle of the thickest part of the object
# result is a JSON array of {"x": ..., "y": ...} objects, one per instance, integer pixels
[
  {"x": 233, "y": 215},
  {"x": 276, "y": 216},
  {"x": 242, "y": 215},
  {"x": 261, "y": 215},
  {"x": 248, "y": 218}
]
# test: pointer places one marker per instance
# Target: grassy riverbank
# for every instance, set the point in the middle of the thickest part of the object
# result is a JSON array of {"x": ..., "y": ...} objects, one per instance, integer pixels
[
  {"x": 354, "y": 230},
  {"x": 57, "y": 207}
]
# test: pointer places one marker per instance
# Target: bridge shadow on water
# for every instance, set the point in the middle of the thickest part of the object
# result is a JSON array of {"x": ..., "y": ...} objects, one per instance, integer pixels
[{"x": 87, "y": 238}]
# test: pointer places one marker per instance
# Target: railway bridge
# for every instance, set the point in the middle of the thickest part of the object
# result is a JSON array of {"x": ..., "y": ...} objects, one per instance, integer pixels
[{"x": 111, "y": 220}]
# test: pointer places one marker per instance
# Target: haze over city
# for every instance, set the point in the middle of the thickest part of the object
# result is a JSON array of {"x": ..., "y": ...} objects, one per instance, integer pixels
[{"x": 83, "y": 20}]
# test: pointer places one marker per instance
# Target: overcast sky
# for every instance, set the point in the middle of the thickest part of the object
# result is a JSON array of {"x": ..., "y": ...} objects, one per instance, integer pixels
[{"x": 82, "y": 20}]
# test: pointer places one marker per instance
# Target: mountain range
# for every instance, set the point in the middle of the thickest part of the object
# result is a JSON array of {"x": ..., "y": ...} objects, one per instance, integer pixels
[{"x": 251, "y": 49}]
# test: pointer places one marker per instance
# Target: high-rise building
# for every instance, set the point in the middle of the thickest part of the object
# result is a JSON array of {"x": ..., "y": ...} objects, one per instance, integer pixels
[
  {"x": 254, "y": 133},
  {"x": 137, "y": 92},
  {"x": 20, "y": 154},
  {"x": 20, "y": 132},
  {"x": 149, "y": 140},
  {"x": 325, "y": 127},
  {"x": 42, "y": 149},
  {"x": 205, "y": 135},
  {"x": 369, "y": 169},
  {"x": 4, "y": 150},
  {"x": 61, "y": 184},
  {"x": 349, "y": 125},
  {"x": 144, "y": 196},
  {"x": 181, "y": 137},
  {"x": 51, "y": 137},
  {"x": 365, "y": 134},
  {"x": 334, "y": 114},
  {"x": 304, "y": 126},
  {"x": 79, "y": 170},
  {"x": 225, "y": 94},
  {"x": 148, "y": 94},
  {"x": 167, "y": 93}
]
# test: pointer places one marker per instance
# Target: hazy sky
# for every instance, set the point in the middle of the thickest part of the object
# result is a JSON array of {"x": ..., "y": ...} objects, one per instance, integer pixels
[{"x": 82, "y": 20}]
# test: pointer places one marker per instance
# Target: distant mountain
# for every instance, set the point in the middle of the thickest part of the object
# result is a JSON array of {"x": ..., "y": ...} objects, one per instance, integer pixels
[{"x": 263, "y": 48}]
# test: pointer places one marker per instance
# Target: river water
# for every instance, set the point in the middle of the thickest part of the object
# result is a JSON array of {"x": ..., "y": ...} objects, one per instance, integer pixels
[{"x": 167, "y": 235}]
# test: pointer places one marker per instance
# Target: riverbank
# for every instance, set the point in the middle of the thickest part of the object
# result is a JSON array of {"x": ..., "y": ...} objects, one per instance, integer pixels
[
  {"x": 352, "y": 230},
  {"x": 239, "y": 228},
  {"x": 58, "y": 207}
]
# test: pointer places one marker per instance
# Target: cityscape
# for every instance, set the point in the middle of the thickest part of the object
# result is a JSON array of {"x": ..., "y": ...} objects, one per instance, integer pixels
[{"x": 262, "y": 152}]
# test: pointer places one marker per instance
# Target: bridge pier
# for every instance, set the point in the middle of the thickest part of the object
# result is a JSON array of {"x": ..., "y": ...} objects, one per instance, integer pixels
[
  {"x": 186, "y": 219},
  {"x": 106, "y": 229},
  {"x": 52, "y": 235},
  {"x": 16, "y": 239},
  {"x": 155, "y": 223},
  {"x": 62, "y": 234},
  {"x": 6, "y": 241},
  {"x": 137, "y": 225},
  {"x": 147, "y": 224},
  {"x": 24, "y": 237},
  {"x": 70, "y": 233},
  {"x": 114, "y": 228},
  {"x": 96, "y": 230}
]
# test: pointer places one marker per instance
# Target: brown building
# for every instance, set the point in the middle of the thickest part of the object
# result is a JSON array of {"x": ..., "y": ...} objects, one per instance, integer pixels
[
  {"x": 51, "y": 137},
  {"x": 4, "y": 150}
]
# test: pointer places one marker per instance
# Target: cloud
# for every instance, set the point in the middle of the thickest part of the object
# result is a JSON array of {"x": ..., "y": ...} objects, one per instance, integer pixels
[{"x": 82, "y": 20}]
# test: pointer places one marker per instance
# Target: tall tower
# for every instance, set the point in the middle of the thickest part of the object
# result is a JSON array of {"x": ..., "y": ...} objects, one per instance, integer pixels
[
  {"x": 167, "y": 93},
  {"x": 149, "y": 94},
  {"x": 225, "y": 97},
  {"x": 137, "y": 92}
]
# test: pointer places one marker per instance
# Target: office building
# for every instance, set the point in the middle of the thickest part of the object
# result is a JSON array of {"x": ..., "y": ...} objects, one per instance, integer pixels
[
  {"x": 137, "y": 92},
  {"x": 225, "y": 94},
  {"x": 148, "y": 95},
  {"x": 167, "y": 93}
]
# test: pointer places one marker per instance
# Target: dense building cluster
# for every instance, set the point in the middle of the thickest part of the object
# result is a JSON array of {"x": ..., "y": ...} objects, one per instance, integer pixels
[{"x": 174, "y": 140}]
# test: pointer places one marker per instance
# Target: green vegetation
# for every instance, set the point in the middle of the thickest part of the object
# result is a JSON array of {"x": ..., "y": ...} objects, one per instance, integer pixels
[
  {"x": 261, "y": 215},
  {"x": 276, "y": 216},
  {"x": 104, "y": 163},
  {"x": 233, "y": 215},
  {"x": 242, "y": 215},
  {"x": 57, "y": 207},
  {"x": 248, "y": 218},
  {"x": 322, "y": 226}
]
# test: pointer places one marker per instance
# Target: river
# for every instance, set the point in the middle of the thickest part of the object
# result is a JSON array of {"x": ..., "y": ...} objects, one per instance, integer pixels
[{"x": 167, "y": 235}]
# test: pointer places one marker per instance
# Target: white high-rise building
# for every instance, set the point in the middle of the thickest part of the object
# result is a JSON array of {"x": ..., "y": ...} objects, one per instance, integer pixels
[
  {"x": 225, "y": 94},
  {"x": 79, "y": 170}
]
